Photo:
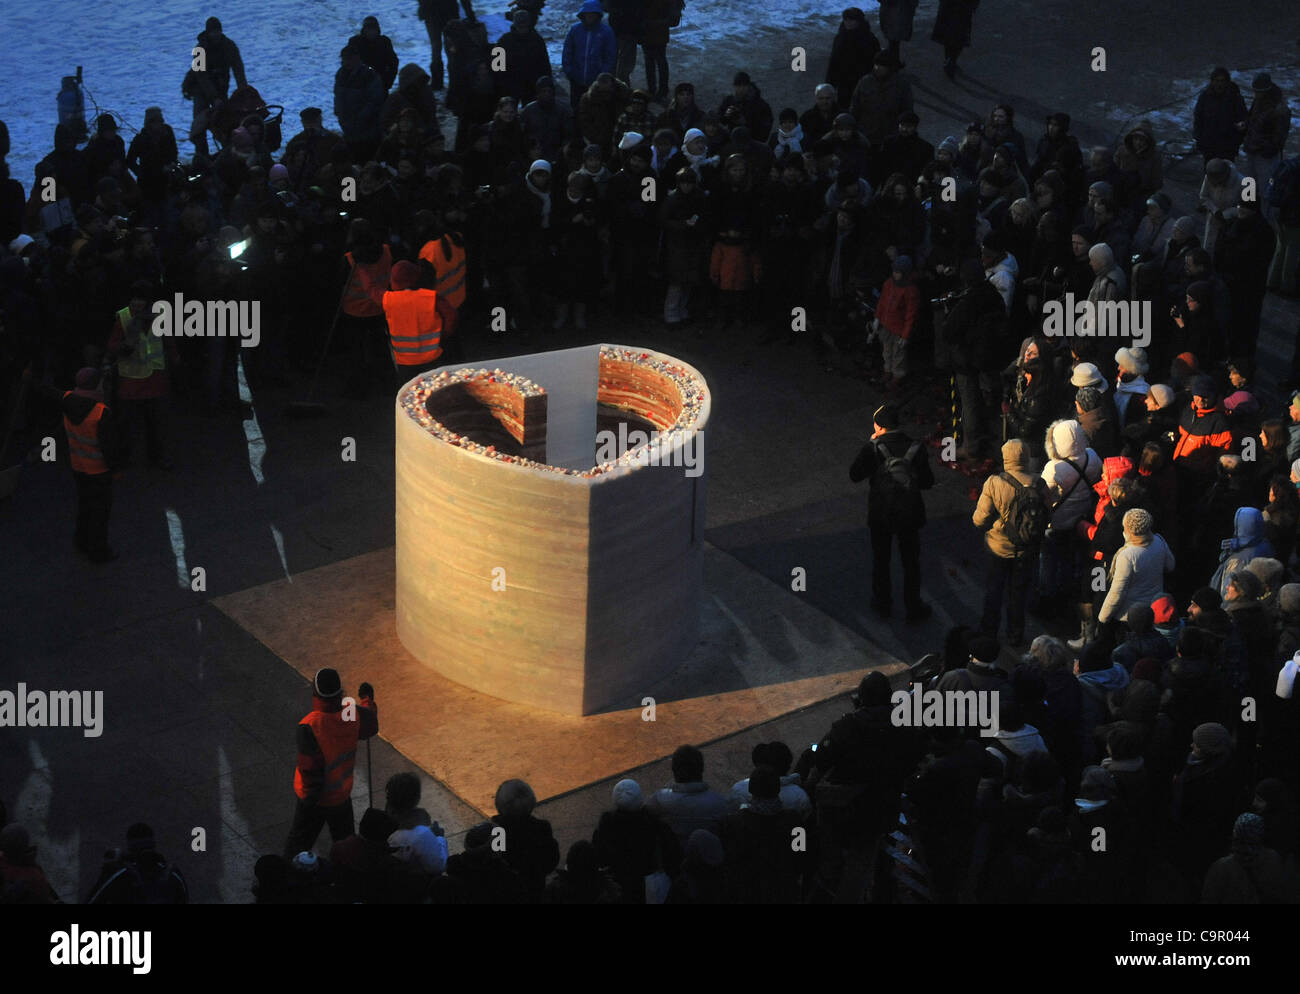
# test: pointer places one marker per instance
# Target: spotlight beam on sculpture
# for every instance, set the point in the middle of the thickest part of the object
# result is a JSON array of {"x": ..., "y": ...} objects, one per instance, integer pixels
[{"x": 549, "y": 516}]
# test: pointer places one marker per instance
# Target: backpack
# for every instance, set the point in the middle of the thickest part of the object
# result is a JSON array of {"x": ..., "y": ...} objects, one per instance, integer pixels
[
  {"x": 1027, "y": 516},
  {"x": 896, "y": 487},
  {"x": 1284, "y": 191}
]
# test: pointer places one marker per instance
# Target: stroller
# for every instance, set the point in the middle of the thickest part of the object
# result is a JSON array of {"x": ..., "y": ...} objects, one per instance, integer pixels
[{"x": 243, "y": 103}]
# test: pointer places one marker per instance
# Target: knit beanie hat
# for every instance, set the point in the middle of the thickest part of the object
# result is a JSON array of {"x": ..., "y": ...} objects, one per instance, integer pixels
[
  {"x": 1163, "y": 395},
  {"x": 1164, "y": 609},
  {"x": 705, "y": 847},
  {"x": 1132, "y": 360},
  {"x": 1207, "y": 599},
  {"x": 1212, "y": 739},
  {"x": 627, "y": 795},
  {"x": 327, "y": 683},
  {"x": 1248, "y": 586},
  {"x": 1269, "y": 571},
  {"x": 1288, "y": 598}
]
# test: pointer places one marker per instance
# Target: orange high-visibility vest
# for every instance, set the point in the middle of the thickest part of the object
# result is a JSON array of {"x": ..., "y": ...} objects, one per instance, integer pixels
[
  {"x": 366, "y": 284},
  {"x": 448, "y": 260},
  {"x": 84, "y": 451},
  {"x": 338, "y": 743},
  {"x": 414, "y": 326}
]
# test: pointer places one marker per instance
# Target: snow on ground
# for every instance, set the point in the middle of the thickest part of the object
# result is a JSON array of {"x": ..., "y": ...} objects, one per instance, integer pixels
[
  {"x": 1172, "y": 121},
  {"x": 134, "y": 53}
]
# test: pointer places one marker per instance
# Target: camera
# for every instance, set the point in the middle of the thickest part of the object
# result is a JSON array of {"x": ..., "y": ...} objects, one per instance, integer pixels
[{"x": 947, "y": 299}]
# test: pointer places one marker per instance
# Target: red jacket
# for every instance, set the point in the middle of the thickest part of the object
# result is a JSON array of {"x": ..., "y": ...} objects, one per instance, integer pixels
[
  {"x": 1203, "y": 436},
  {"x": 897, "y": 309}
]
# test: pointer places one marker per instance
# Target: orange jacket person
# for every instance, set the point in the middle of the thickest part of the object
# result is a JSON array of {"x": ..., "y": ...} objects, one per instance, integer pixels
[
  {"x": 414, "y": 322},
  {"x": 93, "y": 452},
  {"x": 327, "y": 751}
]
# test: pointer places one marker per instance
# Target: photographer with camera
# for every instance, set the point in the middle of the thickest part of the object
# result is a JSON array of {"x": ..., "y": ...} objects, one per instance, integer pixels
[{"x": 974, "y": 326}]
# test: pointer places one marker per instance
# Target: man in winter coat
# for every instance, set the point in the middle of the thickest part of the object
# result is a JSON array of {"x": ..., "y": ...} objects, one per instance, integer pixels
[
  {"x": 896, "y": 18},
  {"x": 627, "y": 21},
  {"x": 1009, "y": 565},
  {"x": 899, "y": 469},
  {"x": 436, "y": 14},
  {"x": 852, "y": 52},
  {"x": 973, "y": 331},
  {"x": 358, "y": 104},
  {"x": 1098, "y": 678},
  {"x": 589, "y": 50},
  {"x": 413, "y": 91},
  {"x": 530, "y": 846},
  {"x": 633, "y": 843},
  {"x": 903, "y": 152},
  {"x": 1139, "y": 156},
  {"x": 1219, "y": 108},
  {"x": 689, "y": 803},
  {"x": 1208, "y": 795},
  {"x": 1110, "y": 285},
  {"x": 376, "y": 50},
  {"x": 952, "y": 30},
  {"x": 1220, "y": 195},
  {"x": 880, "y": 98},
  {"x": 1203, "y": 435},
  {"x": 685, "y": 220},
  {"x": 755, "y": 110},
  {"x": 208, "y": 87},
  {"x": 1242, "y": 254},
  {"x": 526, "y": 59},
  {"x": 547, "y": 121},
  {"x": 1265, "y": 130}
]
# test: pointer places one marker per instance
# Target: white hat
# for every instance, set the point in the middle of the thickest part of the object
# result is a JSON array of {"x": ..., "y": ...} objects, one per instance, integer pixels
[
  {"x": 631, "y": 140},
  {"x": 539, "y": 166},
  {"x": 20, "y": 243},
  {"x": 1132, "y": 360},
  {"x": 1088, "y": 375}
]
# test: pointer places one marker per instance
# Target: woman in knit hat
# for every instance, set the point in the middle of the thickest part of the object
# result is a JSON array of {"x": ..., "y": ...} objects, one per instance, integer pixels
[
  {"x": 1137, "y": 574},
  {"x": 1252, "y": 872}
]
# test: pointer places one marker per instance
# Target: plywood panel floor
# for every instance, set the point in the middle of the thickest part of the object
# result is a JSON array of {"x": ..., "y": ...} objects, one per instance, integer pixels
[{"x": 763, "y": 652}]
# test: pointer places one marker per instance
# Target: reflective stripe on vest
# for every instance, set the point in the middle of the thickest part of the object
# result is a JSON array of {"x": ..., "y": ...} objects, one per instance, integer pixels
[
  {"x": 449, "y": 267},
  {"x": 414, "y": 327},
  {"x": 360, "y": 299},
  {"x": 84, "y": 452},
  {"x": 337, "y": 740},
  {"x": 141, "y": 363}
]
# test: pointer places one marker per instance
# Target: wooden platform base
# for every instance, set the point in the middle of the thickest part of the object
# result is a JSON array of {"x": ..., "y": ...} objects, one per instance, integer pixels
[{"x": 762, "y": 653}]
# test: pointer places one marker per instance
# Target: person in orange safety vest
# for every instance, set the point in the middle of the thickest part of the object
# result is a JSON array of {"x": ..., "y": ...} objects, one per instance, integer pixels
[
  {"x": 327, "y": 750},
  {"x": 414, "y": 323}
]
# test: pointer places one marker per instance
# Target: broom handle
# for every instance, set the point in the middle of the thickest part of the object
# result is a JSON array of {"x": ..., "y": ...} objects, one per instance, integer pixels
[{"x": 311, "y": 390}]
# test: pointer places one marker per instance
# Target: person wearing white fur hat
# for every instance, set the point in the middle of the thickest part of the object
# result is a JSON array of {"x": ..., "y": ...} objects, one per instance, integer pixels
[{"x": 1131, "y": 386}]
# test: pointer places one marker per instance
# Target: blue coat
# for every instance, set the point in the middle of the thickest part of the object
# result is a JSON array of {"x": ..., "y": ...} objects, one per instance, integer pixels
[{"x": 588, "y": 52}]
